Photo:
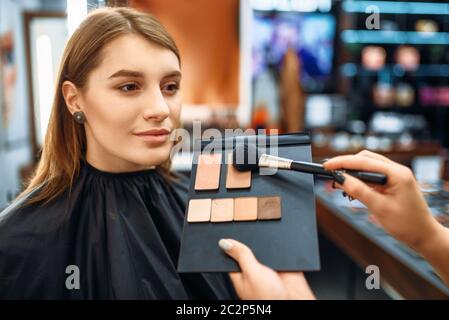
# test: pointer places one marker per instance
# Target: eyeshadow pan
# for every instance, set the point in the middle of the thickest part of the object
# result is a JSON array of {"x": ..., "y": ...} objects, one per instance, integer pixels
[
  {"x": 245, "y": 209},
  {"x": 199, "y": 210},
  {"x": 236, "y": 179},
  {"x": 269, "y": 208},
  {"x": 208, "y": 172},
  {"x": 222, "y": 210}
]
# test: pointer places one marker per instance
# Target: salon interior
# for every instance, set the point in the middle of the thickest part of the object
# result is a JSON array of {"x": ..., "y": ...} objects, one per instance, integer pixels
[{"x": 352, "y": 74}]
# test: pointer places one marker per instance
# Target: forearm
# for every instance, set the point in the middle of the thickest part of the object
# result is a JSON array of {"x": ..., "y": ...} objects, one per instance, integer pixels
[{"x": 436, "y": 251}]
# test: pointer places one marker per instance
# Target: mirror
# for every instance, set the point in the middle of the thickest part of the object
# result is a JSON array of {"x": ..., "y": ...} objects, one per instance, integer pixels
[{"x": 46, "y": 34}]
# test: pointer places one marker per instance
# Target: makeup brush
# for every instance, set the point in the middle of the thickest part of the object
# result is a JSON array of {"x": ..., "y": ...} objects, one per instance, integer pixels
[{"x": 248, "y": 157}]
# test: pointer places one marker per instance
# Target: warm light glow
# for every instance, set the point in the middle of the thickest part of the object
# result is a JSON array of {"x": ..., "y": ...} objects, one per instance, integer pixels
[
  {"x": 76, "y": 12},
  {"x": 45, "y": 83}
]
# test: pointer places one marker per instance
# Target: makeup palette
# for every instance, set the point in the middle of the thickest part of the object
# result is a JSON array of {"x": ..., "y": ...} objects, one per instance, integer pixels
[
  {"x": 234, "y": 209},
  {"x": 272, "y": 212},
  {"x": 269, "y": 208},
  {"x": 245, "y": 209},
  {"x": 208, "y": 174},
  {"x": 199, "y": 210},
  {"x": 222, "y": 210},
  {"x": 236, "y": 179}
]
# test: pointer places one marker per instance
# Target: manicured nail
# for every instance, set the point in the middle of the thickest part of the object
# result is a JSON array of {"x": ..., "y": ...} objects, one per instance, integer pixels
[
  {"x": 225, "y": 245},
  {"x": 338, "y": 176}
]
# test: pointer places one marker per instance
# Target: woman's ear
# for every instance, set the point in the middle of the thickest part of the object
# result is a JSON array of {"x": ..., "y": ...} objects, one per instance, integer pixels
[{"x": 71, "y": 96}]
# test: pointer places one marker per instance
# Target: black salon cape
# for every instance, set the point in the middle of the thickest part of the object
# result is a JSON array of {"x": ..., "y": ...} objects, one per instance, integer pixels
[{"x": 122, "y": 230}]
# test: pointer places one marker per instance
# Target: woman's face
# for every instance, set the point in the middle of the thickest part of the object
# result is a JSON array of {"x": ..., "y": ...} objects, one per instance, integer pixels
[{"x": 132, "y": 103}]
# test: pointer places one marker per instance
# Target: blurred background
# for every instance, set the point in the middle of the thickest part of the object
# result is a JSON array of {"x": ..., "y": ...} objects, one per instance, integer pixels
[{"x": 355, "y": 74}]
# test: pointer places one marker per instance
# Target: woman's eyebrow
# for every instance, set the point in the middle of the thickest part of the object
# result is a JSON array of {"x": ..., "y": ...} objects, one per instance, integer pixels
[
  {"x": 173, "y": 74},
  {"x": 127, "y": 73},
  {"x": 138, "y": 74}
]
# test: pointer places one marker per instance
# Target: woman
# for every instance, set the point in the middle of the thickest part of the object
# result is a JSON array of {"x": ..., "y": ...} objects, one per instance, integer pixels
[
  {"x": 102, "y": 205},
  {"x": 399, "y": 206}
]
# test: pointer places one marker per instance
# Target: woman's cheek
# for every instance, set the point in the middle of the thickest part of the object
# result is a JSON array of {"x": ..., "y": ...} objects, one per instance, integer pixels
[{"x": 175, "y": 110}]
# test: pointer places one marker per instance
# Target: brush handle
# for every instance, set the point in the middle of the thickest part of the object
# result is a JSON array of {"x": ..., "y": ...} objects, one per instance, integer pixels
[
  {"x": 310, "y": 167},
  {"x": 315, "y": 168},
  {"x": 367, "y": 176}
]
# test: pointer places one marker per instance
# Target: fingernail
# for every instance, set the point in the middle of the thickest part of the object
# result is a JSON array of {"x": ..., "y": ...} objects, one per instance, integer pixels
[
  {"x": 324, "y": 160},
  {"x": 338, "y": 176},
  {"x": 345, "y": 194},
  {"x": 225, "y": 245}
]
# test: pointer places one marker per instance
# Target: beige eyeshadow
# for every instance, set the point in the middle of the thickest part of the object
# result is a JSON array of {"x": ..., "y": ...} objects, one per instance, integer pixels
[
  {"x": 236, "y": 179},
  {"x": 269, "y": 208},
  {"x": 222, "y": 210},
  {"x": 199, "y": 210},
  {"x": 208, "y": 172},
  {"x": 245, "y": 209}
]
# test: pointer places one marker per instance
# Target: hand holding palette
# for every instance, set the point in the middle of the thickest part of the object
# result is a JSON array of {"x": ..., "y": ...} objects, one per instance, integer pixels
[{"x": 273, "y": 214}]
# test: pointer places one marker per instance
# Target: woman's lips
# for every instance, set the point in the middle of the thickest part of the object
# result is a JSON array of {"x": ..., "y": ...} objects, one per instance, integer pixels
[{"x": 159, "y": 135}]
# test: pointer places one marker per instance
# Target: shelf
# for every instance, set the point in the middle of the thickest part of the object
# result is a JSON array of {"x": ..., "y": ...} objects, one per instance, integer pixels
[
  {"x": 396, "y": 7},
  {"x": 424, "y": 70},
  {"x": 394, "y": 37}
]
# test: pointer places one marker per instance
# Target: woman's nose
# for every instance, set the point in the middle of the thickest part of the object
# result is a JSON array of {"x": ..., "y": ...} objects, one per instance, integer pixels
[{"x": 155, "y": 107}]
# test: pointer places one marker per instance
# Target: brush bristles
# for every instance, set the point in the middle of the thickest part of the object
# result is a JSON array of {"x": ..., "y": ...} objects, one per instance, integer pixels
[
  {"x": 270, "y": 161},
  {"x": 245, "y": 157}
]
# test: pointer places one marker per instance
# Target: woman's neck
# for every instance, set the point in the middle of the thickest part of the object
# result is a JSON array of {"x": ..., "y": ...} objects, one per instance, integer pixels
[{"x": 103, "y": 160}]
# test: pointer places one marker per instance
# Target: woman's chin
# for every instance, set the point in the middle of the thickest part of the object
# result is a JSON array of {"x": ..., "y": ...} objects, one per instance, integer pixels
[
  {"x": 147, "y": 157},
  {"x": 154, "y": 158}
]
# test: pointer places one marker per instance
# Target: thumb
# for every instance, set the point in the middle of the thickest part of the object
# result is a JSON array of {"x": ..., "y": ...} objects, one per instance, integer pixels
[{"x": 240, "y": 253}]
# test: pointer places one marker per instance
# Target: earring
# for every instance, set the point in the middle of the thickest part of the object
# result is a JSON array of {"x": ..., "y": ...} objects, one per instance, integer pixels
[{"x": 80, "y": 117}]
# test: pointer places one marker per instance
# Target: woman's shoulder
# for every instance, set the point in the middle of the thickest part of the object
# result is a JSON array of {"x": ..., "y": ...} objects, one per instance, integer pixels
[
  {"x": 180, "y": 181},
  {"x": 19, "y": 204},
  {"x": 23, "y": 211},
  {"x": 15, "y": 224},
  {"x": 180, "y": 184}
]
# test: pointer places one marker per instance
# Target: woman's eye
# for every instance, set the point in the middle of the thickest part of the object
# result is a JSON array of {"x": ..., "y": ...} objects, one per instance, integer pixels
[
  {"x": 129, "y": 87},
  {"x": 171, "y": 88}
]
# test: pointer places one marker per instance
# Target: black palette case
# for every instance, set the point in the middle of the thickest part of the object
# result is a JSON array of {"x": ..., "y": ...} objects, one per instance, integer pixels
[{"x": 288, "y": 244}]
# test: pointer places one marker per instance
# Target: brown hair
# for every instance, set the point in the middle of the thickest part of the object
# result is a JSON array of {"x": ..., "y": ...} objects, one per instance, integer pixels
[{"x": 65, "y": 140}]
